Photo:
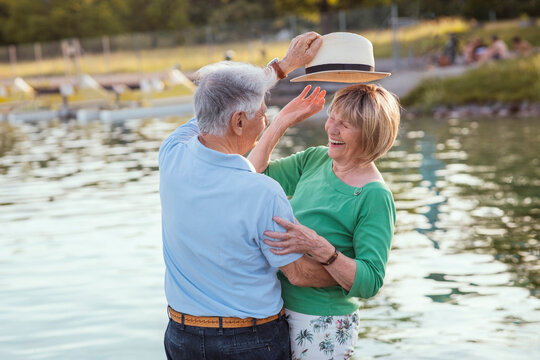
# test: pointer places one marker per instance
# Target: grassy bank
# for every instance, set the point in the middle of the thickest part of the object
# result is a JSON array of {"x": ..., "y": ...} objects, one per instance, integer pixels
[{"x": 510, "y": 81}]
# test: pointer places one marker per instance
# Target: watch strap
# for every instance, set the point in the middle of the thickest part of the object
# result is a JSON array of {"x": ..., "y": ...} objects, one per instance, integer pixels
[{"x": 279, "y": 72}]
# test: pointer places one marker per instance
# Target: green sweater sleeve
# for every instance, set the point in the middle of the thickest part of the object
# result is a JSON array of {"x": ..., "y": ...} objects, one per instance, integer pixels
[
  {"x": 371, "y": 241},
  {"x": 287, "y": 171}
]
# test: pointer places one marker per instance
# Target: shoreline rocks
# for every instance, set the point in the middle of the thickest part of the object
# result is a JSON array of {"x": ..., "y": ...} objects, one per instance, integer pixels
[{"x": 523, "y": 109}]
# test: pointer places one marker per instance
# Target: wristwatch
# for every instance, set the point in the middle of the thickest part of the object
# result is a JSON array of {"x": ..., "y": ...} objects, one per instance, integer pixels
[{"x": 274, "y": 64}]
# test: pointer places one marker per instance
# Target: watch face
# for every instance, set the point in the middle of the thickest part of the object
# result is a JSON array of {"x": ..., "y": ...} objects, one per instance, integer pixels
[{"x": 274, "y": 60}]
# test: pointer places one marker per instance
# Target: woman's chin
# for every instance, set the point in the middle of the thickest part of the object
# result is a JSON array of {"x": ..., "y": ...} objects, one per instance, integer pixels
[
  {"x": 334, "y": 150},
  {"x": 333, "y": 153}
]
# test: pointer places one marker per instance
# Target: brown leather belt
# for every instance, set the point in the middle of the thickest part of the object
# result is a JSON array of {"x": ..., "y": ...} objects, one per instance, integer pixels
[{"x": 214, "y": 321}]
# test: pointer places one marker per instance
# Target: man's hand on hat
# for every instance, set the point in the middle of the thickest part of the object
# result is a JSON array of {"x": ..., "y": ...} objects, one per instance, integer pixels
[{"x": 301, "y": 51}]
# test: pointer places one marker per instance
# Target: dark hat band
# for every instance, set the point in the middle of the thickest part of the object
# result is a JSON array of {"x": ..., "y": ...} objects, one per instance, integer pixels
[{"x": 333, "y": 67}]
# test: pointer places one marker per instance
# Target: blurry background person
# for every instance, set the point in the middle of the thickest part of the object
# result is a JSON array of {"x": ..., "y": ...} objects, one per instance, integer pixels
[
  {"x": 521, "y": 47},
  {"x": 448, "y": 56},
  {"x": 229, "y": 55},
  {"x": 474, "y": 50},
  {"x": 498, "y": 50}
]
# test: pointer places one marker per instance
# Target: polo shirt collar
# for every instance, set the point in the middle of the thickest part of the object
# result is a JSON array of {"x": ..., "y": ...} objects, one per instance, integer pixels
[{"x": 234, "y": 161}]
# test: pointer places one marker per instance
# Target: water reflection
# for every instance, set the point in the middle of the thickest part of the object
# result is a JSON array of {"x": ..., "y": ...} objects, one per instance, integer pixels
[
  {"x": 467, "y": 232},
  {"x": 81, "y": 251}
]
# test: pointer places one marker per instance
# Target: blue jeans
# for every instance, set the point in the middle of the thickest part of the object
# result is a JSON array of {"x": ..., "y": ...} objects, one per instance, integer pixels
[{"x": 268, "y": 341}]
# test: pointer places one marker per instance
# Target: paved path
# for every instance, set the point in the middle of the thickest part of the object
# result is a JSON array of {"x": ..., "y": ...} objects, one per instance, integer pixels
[
  {"x": 404, "y": 79},
  {"x": 401, "y": 82}
]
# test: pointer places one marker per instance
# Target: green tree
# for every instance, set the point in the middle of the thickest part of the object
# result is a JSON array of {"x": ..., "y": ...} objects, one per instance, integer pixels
[
  {"x": 239, "y": 11},
  {"x": 145, "y": 15},
  {"x": 43, "y": 20},
  {"x": 26, "y": 20},
  {"x": 200, "y": 11},
  {"x": 323, "y": 8},
  {"x": 84, "y": 18},
  {"x": 229, "y": 11},
  {"x": 479, "y": 9},
  {"x": 4, "y": 16}
]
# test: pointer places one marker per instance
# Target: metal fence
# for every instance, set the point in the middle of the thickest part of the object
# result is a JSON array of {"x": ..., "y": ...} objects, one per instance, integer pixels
[{"x": 148, "y": 51}]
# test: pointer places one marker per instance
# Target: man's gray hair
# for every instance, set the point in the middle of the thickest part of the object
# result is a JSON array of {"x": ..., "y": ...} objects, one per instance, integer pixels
[{"x": 225, "y": 88}]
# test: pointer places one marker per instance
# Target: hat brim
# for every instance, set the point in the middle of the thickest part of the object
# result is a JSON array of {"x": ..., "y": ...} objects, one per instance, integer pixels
[{"x": 345, "y": 76}]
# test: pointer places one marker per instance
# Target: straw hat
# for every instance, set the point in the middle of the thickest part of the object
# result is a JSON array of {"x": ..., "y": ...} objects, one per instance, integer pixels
[{"x": 343, "y": 57}]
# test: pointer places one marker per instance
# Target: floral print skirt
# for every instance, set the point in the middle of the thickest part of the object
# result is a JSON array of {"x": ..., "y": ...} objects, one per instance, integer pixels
[{"x": 322, "y": 337}]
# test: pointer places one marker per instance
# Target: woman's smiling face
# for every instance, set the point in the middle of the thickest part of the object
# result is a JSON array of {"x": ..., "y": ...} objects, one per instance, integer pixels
[{"x": 343, "y": 139}]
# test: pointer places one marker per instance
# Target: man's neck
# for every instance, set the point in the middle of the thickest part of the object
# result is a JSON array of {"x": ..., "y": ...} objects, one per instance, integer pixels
[{"x": 223, "y": 144}]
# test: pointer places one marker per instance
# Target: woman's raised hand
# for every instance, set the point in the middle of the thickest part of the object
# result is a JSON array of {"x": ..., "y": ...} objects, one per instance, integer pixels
[
  {"x": 299, "y": 109},
  {"x": 302, "y": 107},
  {"x": 298, "y": 239}
]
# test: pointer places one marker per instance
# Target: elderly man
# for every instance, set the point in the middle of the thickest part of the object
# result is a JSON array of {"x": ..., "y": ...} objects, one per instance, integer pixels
[{"x": 221, "y": 286}]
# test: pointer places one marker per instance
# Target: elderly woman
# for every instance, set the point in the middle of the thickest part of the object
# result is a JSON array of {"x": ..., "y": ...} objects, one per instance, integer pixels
[{"x": 345, "y": 215}]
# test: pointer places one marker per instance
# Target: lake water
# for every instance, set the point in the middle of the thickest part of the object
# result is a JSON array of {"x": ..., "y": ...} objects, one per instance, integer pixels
[{"x": 81, "y": 269}]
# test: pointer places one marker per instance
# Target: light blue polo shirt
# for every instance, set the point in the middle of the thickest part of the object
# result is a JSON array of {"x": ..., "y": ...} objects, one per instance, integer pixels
[{"x": 215, "y": 208}]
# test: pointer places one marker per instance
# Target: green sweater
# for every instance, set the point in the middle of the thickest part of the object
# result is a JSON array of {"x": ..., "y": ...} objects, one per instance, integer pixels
[{"x": 359, "y": 222}]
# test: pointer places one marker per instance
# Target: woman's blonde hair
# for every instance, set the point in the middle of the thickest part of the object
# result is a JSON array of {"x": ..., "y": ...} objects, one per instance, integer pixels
[{"x": 375, "y": 112}]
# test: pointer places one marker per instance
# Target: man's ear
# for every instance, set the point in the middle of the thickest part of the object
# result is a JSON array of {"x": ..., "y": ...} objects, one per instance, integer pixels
[{"x": 238, "y": 122}]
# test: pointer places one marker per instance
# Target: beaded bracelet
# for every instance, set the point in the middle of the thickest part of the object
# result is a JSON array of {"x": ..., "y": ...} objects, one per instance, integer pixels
[{"x": 332, "y": 258}]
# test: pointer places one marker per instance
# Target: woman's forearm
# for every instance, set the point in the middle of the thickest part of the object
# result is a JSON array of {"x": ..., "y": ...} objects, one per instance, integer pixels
[
  {"x": 301, "y": 239},
  {"x": 300, "y": 108},
  {"x": 260, "y": 155},
  {"x": 306, "y": 272},
  {"x": 343, "y": 270}
]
